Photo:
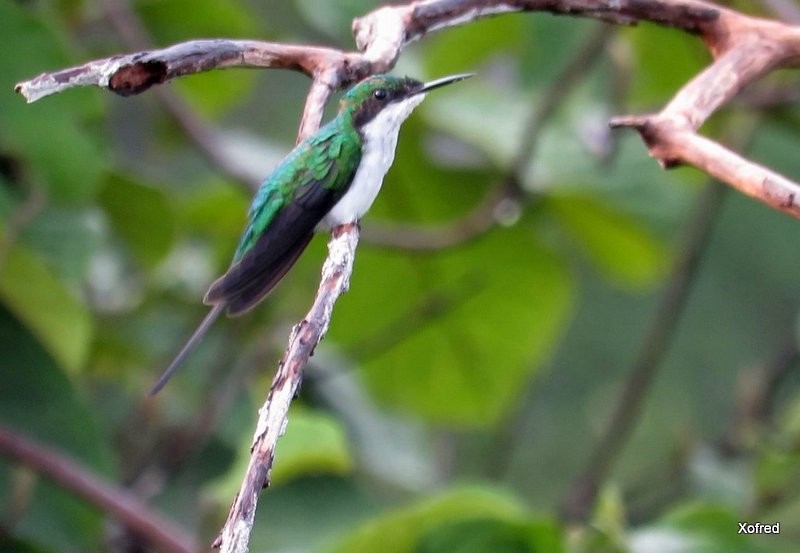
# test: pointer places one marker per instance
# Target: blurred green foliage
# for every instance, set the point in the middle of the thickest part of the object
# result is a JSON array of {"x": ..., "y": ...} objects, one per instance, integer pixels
[{"x": 459, "y": 391}]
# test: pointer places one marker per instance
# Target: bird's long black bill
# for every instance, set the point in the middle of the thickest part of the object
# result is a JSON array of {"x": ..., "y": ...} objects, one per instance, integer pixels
[
  {"x": 427, "y": 87},
  {"x": 198, "y": 334}
]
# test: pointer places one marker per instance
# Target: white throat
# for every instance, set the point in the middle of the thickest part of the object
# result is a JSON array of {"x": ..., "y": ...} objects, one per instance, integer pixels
[{"x": 380, "y": 140}]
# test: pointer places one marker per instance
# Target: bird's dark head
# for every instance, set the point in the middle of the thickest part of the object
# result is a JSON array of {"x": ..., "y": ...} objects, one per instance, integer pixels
[{"x": 376, "y": 93}]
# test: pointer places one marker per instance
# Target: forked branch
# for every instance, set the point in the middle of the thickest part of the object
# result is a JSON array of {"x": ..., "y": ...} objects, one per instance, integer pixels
[{"x": 745, "y": 49}]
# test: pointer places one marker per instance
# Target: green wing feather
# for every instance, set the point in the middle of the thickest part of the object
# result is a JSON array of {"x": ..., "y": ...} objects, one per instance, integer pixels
[
  {"x": 284, "y": 213},
  {"x": 281, "y": 222}
]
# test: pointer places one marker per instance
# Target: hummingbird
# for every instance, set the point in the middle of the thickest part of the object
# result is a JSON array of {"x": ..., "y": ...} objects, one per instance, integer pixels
[{"x": 329, "y": 179}]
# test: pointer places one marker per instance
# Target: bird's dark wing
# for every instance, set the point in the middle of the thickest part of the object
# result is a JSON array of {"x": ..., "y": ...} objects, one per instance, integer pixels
[
  {"x": 290, "y": 204},
  {"x": 252, "y": 277}
]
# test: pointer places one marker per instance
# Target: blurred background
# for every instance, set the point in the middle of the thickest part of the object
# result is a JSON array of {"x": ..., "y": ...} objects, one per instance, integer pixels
[{"x": 549, "y": 343}]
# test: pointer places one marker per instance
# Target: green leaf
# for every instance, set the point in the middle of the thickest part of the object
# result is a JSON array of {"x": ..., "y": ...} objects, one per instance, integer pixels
[
  {"x": 777, "y": 472},
  {"x": 51, "y": 137},
  {"x": 450, "y": 335},
  {"x": 214, "y": 203},
  {"x": 217, "y": 212},
  {"x": 198, "y": 18},
  {"x": 487, "y": 535},
  {"x": 549, "y": 44},
  {"x": 701, "y": 528},
  {"x": 618, "y": 245},
  {"x": 417, "y": 189},
  {"x": 660, "y": 47},
  {"x": 214, "y": 93},
  {"x": 54, "y": 315},
  {"x": 401, "y": 531},
  {"x": 10, "y": 544},
  {"x": 141, "y": 215},
  {"x": 66, "y": 238},
  {"x": 465, "y": 110},
  {"x": 333, "y": 18},
  {"x": 211, "y": 92},
  {"x": 606, "y": 531},
  {"x": 454, "y": 336},
  {"x": 463, "y": 48},
  {"x": 38, "y": 401},
  {"x": 790, "y": 419},
  {"x": 314, "y": 443}
]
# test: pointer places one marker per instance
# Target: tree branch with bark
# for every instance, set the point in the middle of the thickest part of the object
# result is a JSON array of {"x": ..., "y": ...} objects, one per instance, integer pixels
[
  {"x": 121, "y": 504},
  {"x": 744, "y": 50}
]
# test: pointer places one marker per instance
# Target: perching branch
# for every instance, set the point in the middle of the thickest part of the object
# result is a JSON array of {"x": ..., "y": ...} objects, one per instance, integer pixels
[
  {"x": 273, "y": 415},
  {"x": 122, "y": 505},
  {"x": 745, "y": 49}
]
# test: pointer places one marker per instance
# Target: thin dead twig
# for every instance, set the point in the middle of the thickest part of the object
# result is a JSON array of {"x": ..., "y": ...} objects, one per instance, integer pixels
[
  {"x": 745, "y": 49},
  {"x": 125, "y": 507}
]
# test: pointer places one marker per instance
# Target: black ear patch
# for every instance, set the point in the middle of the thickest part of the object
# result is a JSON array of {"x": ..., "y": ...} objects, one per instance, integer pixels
[{"x": 381, "y": 97}]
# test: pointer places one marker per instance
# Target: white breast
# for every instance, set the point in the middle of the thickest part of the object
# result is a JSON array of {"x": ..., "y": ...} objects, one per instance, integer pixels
[{"x": 380, "y": 140}]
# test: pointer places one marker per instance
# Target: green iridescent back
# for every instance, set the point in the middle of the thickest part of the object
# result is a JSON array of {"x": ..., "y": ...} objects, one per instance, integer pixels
[{"x": 327, "y": 159}]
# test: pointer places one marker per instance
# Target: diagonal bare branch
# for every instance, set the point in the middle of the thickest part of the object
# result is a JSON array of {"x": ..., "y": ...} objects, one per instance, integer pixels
[
  {"x": 273, "y": 416},
  {"x": 745, "y": 49},
  {"x": 131, "y": 74},
  {"x": 673, "y": 145},
  {"x": 124, "y": 506}
]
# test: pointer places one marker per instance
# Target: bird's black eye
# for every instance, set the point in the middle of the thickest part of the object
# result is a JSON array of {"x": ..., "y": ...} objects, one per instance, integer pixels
[{"x": 380, "y": 94}]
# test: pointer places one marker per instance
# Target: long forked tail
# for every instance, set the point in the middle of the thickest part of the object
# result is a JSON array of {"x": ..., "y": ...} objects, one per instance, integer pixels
[{"x": 190, "y": 344}]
